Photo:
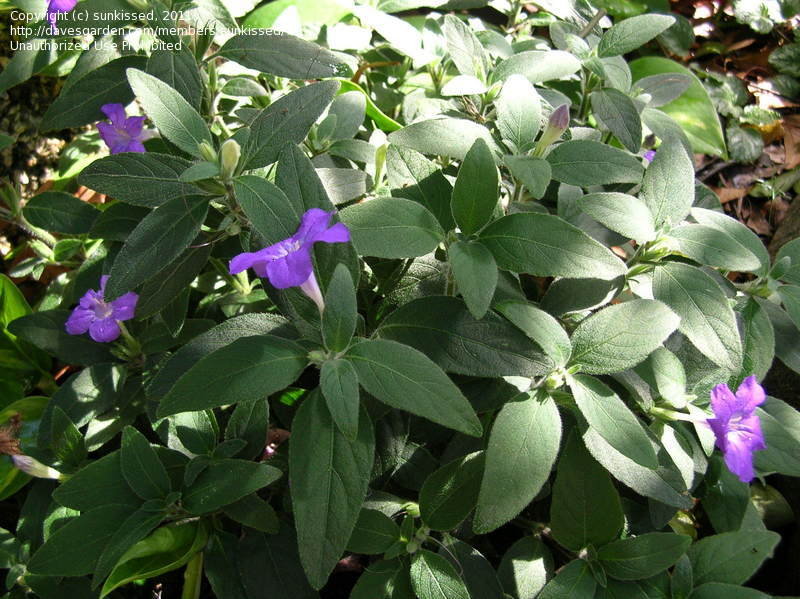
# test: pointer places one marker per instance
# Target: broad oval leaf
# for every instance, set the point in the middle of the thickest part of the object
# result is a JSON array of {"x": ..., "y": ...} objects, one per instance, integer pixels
[
  {"x": 475, "y": 272},
  {"x": 525, "y": 568},
  {"x": 475, "y": 192},
  {"x": 618, "y": 113},
  {"x": 540, "y": 327},
  {"x": 247, "y": 369},
  {"x": 519, "y": 113},
  {"x": 642, "y": 556},
  {"x": 668, "y": 184},
  {"x": 621, "y": 336},
  {"x": 450, "y": 494},
  {"x": 731, "y": 557},
  {"x": 545, "y": 245},
  {"x": 443, "y": 136},
  {"x": 434, "y": 577},
  {"x": 443, "y": 329},
  {"x": 328, "y": 475},
  {"x": 585, "y": 163},
  {"x": 406, "y": 379},
  {"x": 339, "y": 384},
  {"x": 713, "y": 247},
  {"x": 573, "y": 580},
  {"x": 224, "y": 482},
  {"x": 374, "y": 533},
  {"x": 392, "y": 228},
  {"x": 523, "y": 446},
  {"x": 537, "y": 65},
  {"x": 60, "y": 212},
  {"x": 631, "y": 33},
  {"x": 620, "y": 212}
]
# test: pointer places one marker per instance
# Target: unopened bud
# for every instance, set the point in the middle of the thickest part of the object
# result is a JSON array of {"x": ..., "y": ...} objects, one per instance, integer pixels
[
  {"x": 207, "y": 152},
  {"x": 229, "y": 154},
  {"x": 412, "y": 547},
  {"x": 556, "y": 125},
  {"x": 34, "y": 468}
]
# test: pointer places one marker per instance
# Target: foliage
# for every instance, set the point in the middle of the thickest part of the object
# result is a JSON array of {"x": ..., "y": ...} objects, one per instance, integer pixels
[{"x": 496, "y": 378}]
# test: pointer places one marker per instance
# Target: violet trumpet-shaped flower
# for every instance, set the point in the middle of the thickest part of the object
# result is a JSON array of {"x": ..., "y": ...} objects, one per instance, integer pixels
[
  {"x": 54, "y": 7},
  {"x": 123, "y": 133},
  {"x": 99, "y": 317},
  {"x": 288, "y": 263},
  {"x": 649, "y": 155},
  {"x": 737, "y": 426}
]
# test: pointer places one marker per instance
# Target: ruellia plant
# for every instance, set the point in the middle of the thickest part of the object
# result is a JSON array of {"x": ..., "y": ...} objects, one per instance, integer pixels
[{"x": 432, "y": 300}]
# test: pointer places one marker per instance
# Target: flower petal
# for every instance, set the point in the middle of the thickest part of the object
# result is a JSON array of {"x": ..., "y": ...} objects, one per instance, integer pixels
[
  {"x": 291, "y": 270},
  {"x": 79, "y": 321},
  {"x": 133, "y": 125},
  {"x": 124, "y": 306},
  {"x": 338, "y": 233},
  {"x": 116, "y": 140},
  {"x": 314, "y": 223},
  {"x": 723, "y": 401},
  {"x": 115, "y": 113},
  {"x": 750, "y": 394},
  {"x": 739, "y": 458},
  {"x": 61, "y": 5},
  {"x": 104, "y": 330}
]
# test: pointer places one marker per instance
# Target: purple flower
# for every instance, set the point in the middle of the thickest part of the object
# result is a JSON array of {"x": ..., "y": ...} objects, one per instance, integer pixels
[
  {"x": 288, "y": 263},
  {"x": 99, "y": 317},
  {"x": 737, "y": 426},
  {"x": 649, "y": 155},
  {"x": 124, "y": 133},
  {"x": 58, "y": 6}
]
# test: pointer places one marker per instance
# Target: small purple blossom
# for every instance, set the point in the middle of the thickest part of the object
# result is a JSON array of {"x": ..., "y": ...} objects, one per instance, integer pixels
[
  {"x": 737, "y": 426},
  {"x": 123, "y": 133},
  {"x": 649, "y": 155},
  {"x": 288, "y": 263},
  {"x": 54, "y": 7},
  {"x": 99, "y": 317}
]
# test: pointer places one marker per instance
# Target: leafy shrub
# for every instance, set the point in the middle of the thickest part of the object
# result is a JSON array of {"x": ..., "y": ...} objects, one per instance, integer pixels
[{"x": 499, "y": 331}]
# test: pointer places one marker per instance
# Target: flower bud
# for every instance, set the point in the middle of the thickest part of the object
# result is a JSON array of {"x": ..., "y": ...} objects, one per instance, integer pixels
[
  {"x": 229, "y": 153},
  {"x": 207, "y": 152},
  {"x": 34, "y": 468},
  {"x": 556, "y": 125}
]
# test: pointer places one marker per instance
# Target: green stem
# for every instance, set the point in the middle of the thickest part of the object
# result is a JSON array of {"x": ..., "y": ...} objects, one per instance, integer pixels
[
  {"x": 593, "y": 23},
  {"x": 193, "y": 577}
]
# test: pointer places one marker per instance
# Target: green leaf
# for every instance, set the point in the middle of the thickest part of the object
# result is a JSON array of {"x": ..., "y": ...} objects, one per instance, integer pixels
[
  {"x": 159, "y": 291},
  {"x": 46, "y": 331},
  {"x": 167, "y": 548},
  {"x": 160, "y": 238},
  {"x": 143, "y": 471},
  {"x": 621, "y": 336},
  {"x": 758, "y": 338},
  {"x": 731, "y": 557},
  {"x": 713, "y": 247},
  {"x": 643, "y": 556},
  {"x": 283, "y": 55},
  {"x": 221, "y": 566},
  {"x": 525, "y": 568},
  {"x": 540, "y": 327},
  {"x": 745, "y": 143},
  {"x": 618, "y": 113},
  {"x": 340, "y": 314},
  {"x": 693, "y": 110},
  {"x": 270, "y": 212},
  {"x": 407, "y": 379},
  {"x": 179, "y": 71},
  {"x": 100, "y": 483},
  {"x": 254, "y": 512},
  {"x": 573, "y": 580},
  {"x": 133, "y": 529},
  {"x": 80, "y": 103},
  {"x": 478, "y": 574},
  {"x": 174, "y": 116},
  {"x": 328, "y": 475},
  {"x": 392, "y": 228},
  {"x": 790, "y": 251},
  {"x": 586, "y": 507},
  {"x": 414, "y": 177},
  {"x": 475, "y": 192},
  {"x": 246, "y": 325},
  {"x": 519, "y": 114},
  {"x": 287, "y": 120},
  {"x": 522, "y": 448},
  {"x": 585, "y": 163},
  {"x": 350, "y": 110},
  {"x": 664, "y": 88},
  {"x": 790, "y": 298},
  {"x": 632, "y": 33},
  {"x": 91, "y": 532},
  {"x": 707, "y": 318},
  {"x": 780, "y": 424},
  {"x": 726, "y": 499},
  {"x": 534, "y": 173},
  {"x": 247, "y": 369},
  {"x": 464, "y": 48},
  {"x": 537, "y": 65},
  {"x": 450, "y": 494},
  {"x": 434, "y": 578},
  {"x": 443, "y": 136},
  {"x": 373, "y": 534},
  {"x": 60, "y": 212},
  {"x": 664, "y": 484},
  {"x": 545, "y": 245},
  {"x": 386, "y": 579},
  {"x": 620, "y": 212},
  {"x": 475, "y": 272},
  {"x": 747, "y": 241},
  {"x": 612, "y": 419},
  {"x": 443, "y": 329},
  {"x": 148, "y": 179},
  {"x": 382, "y": 121},
  {"x": 224, "y": 482},
  {"x": 272, "y": 562},
  {"x": 715, "y": 590},
  {"x": 339, "y": 384},
  {"x": 668, "y": 184}
]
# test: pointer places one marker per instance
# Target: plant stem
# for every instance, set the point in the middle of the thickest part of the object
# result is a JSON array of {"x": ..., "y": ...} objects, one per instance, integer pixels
[
  {"x": 193, "y": 577},
  {"x": 593, "y": 23}
]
